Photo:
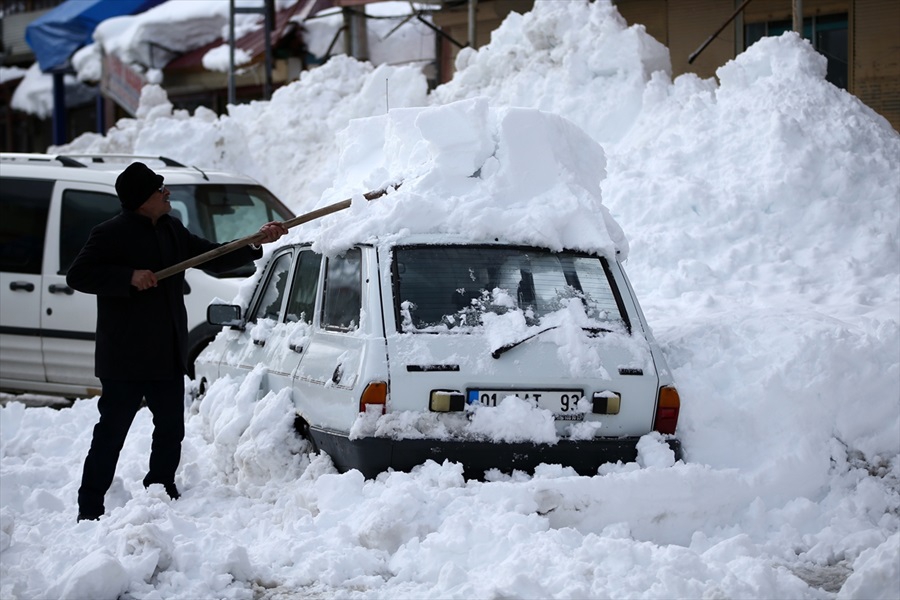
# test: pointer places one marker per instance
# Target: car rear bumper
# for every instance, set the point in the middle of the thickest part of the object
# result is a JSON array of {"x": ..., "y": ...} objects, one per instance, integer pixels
[{"x": 373, "y": 455}]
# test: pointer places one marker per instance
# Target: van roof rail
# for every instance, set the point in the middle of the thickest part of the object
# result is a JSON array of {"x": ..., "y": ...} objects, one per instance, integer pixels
[
  {"x": 40, "y": 158},
  {"x": 79, "y": 160},
  {"x": 103, "y": 158}
]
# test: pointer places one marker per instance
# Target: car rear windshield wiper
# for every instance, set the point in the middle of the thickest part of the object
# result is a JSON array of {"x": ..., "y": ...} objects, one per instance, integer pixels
[
  {"x": 596, "y": 330},
  {"x": 506, "y": 347}
]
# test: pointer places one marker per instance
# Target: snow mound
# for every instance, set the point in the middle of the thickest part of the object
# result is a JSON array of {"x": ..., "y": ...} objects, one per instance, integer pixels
[
  {"x": 788, "y": 192},
  {"x": 556, "y": 56},
  {"x": 254, "y": 438}
]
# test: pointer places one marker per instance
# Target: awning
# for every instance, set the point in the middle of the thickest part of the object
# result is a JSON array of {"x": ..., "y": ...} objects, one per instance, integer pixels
[{"x": 55, "y": 36}]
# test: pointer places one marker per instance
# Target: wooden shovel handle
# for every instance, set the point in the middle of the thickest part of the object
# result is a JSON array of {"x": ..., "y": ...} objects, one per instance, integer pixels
[{"x": 259, "y": 236}]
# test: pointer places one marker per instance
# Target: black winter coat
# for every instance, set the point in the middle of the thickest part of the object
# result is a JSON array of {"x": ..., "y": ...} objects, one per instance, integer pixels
[{"x": 142, "y": 335}]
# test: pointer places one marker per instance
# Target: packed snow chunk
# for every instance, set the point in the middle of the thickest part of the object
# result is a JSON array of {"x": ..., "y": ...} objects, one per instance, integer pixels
[
  {"x": 219, "y": 59},
  {"x": 225, "y": 414},
  {"x": 765, "y": 59},
  {"x": 653, "y": 451},
  {"x": 270, "y": 449},
  {"x": 876, "y": 573},
  {"x": 34, "y": 95},
  {"x": 512, "y": 174},
  {"x": 98, "y": 576},
  {"x": 11, "y": 416},
  {"x": 514, "y": 420},
  {"x": 154, "y": 104},
  {"x": 7, "y": 525}
]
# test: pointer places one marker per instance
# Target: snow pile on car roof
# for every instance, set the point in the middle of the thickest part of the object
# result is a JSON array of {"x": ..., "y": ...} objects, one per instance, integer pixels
[{"x": 516, "y": 175}]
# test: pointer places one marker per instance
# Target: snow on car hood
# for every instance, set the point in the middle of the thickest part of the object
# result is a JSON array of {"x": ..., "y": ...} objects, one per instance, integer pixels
[{"x": 514, "y": 174}]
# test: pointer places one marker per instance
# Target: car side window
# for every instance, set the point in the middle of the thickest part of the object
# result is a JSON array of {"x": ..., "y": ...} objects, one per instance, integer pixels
[
  {"x": 81, "y": 210},
  {"x": 24, "y": 206},
  {"x": 342, "y": 296},
  {"x": 271, "y": 300},
  {"x": 302, "y": 300}
]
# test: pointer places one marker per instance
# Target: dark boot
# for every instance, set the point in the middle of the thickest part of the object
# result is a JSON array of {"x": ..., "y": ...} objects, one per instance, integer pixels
[
  {"x": 170, "y": 488},
  {"x": 87, "y": 517}
]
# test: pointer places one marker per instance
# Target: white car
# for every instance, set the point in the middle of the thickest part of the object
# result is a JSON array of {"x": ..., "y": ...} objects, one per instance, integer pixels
[
  {"x": 495, "y": 355},
  {"x": 49, "y": 205}
]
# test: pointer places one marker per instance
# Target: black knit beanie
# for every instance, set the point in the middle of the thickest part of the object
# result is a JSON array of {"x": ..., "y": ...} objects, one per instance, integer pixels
[{"x": 136, "y": 184}]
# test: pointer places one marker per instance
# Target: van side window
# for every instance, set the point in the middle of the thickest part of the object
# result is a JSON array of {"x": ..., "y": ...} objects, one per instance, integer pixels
[
  {"x": 272, "y": 298},
  {"x": 302, "y": 301},
  {"x": 24, "y": 207},
  {"x": 81, "y": 210},
  {"x": 342, "y": 300}
]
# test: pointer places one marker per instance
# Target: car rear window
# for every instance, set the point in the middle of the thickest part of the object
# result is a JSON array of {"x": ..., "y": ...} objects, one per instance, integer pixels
[{"x": 442, "y": 288}]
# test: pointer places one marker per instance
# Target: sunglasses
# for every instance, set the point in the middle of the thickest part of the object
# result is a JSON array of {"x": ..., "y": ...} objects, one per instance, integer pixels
[{"x": 162, "y": 189}]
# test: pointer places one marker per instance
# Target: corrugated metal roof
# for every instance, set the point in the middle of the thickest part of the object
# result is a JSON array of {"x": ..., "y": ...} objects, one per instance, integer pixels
[{"x": 254, "y": 43}]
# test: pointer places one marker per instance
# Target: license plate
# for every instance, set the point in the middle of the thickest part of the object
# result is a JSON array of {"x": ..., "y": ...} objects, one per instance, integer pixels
[{"x": 562, "y": 403}]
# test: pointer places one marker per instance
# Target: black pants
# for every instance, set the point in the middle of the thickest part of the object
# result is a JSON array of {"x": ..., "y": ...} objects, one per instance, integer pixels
[{"x": 119, "y": 403}]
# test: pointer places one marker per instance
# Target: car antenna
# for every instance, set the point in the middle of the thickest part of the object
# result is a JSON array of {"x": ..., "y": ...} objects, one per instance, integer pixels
[{"x": 200, "y": 171}]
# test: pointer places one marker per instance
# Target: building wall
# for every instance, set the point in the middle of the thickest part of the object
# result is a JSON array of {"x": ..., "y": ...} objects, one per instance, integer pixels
[
  {"x": 875, "y": 56},
  {"x": 683, "y": 26},
  {"x": 874, "y": 38},
  {"x": 652, "y": 14}
]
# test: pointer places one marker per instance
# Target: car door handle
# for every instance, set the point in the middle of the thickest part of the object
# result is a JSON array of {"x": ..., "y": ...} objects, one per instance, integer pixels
[
  {"x": 61, "y": 289},
  {"x": 21, "y": 285},
  {"x": 298, "y": 348},
  {"x": 259, "y": 342}
]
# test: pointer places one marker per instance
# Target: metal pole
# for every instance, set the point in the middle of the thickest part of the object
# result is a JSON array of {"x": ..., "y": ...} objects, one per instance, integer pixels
[
  {"x": 269, "y": 10},
  {"x": 798, "y": 16},
  {"x": 709, "y": 40},
  {"x": 100, "y": 107},
  {"x": 231, "y": 94},
  {"x": 348, "y": 30},
  {"x": 59, "y": 109},
  {"x": 473, "y": 29},
  {"x": 359, "y": 37}
]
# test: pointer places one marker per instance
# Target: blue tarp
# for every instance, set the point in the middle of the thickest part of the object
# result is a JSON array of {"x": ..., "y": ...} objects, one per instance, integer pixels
[{"x": 55, "y": 36}]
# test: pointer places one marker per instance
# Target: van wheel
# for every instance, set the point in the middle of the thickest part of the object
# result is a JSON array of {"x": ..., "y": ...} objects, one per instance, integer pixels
[{"x": 302, "y": 428}]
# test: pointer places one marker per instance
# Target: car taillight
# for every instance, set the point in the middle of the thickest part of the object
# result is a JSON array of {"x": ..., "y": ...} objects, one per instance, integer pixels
[
  {"x": 375, "y": 394},
  {"x": 667, "y": 406}
]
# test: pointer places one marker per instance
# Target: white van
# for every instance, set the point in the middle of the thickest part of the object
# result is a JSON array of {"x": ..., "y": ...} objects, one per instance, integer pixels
[
  {"x": 392, "y": 356},
  {"x": 48, "y": 205}
]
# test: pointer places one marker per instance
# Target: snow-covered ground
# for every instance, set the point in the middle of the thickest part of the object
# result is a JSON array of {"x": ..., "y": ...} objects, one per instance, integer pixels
[{"x": 762, "y": 212}]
